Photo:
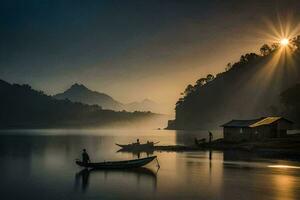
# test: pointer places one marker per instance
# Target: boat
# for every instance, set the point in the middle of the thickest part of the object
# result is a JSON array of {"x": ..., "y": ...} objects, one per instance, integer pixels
[
  {"x": 137, "y": 146},
  {"x": 126, "y": 164}
]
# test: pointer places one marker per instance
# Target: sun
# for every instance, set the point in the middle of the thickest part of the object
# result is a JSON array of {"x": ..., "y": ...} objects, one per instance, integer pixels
[{"x": 284, "y": 42}]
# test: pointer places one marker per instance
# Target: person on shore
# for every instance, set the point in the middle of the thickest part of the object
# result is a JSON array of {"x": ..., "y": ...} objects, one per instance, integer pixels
[
  {"x": 85, "y": 157},
  {"x": 210, "y": 137}
]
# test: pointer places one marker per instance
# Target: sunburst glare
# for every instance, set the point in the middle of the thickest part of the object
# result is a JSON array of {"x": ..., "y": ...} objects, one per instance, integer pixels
[{"x": 284, "y": 42}]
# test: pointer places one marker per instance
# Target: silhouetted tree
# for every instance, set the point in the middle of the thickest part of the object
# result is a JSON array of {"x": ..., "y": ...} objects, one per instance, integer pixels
[
  {"x": 228, "y": 67},
  {"x": 201, "y": 81},
  {"x": 296, "y": 42},
  {"x": 209, "y": 78},
  {"x": 189, "y": 89},
  {"x": 274, "y": 46},
  {"x": 243, "y": 59},
  {"x": 265, "y": 50}
]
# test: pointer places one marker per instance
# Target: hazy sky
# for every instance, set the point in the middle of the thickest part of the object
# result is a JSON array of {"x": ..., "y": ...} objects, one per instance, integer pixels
[{"x": 131, "y": 49}]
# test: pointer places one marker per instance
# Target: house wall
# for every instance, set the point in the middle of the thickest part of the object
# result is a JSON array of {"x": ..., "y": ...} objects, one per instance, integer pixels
[
  {"x": 275, "y": 130},
  {"x": 263, "y": 132},
  {"x": 282, "y": 127},
  {"x": 237, "y": 134}
]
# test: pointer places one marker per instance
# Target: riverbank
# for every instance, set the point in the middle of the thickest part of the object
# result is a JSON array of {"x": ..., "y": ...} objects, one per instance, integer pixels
[{"x": 286, "y": 148}]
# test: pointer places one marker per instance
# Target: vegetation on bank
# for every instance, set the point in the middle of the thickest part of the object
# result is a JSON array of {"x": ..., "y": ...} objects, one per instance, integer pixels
[{"x": 247, "y": 88}]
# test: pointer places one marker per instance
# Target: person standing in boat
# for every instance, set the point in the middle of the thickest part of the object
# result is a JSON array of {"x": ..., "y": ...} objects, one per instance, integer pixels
[
  {"x": 210, "y": 136},
  {"x": 138, "y": 141},
  {"x": 85, "y": 157}
]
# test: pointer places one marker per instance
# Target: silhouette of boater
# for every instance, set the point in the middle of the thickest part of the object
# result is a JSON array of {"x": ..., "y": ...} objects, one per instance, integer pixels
[
  {"x": 210, "y": 136},
  {"x": 85, "y": 157}
]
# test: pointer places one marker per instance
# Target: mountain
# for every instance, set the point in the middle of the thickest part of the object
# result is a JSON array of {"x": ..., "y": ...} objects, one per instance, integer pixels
[
  {"x": 145, "y": 105},
  {"x": 80, "y": 93},
  {"x": 23, "y": 107},
  {"x": 250, "y": 88}
]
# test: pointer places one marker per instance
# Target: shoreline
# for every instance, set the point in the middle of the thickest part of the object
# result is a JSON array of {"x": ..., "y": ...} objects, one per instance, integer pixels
[{"x": 283, "y": 148}]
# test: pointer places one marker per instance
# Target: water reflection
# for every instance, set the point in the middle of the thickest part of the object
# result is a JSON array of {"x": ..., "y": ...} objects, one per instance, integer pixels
[
  {"x": 284, "y": 166},
  {"x": 82, "y": 178},
  {"x": 141, "y": 175},
  {"x": 137, "y": 154}
]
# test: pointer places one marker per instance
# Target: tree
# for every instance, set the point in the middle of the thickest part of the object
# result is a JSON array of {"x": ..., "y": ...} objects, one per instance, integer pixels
[
  {"x": 274, "y": 46},
  {"x": 201, "y": 82},
  {"x": 265, "y": 50},
  {"x": 243, "y": 59},
  {"x": 251, "y": 57},
  {"x": 209, "y": 78},
  {"x": 296, "y": 42},
  {"x": 188, "y": 89},
  {"x": 228, "y": 67}
]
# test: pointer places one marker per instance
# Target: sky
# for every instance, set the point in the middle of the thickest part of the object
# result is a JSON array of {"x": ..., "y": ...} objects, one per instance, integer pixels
[{"x": 132, "y": 50}]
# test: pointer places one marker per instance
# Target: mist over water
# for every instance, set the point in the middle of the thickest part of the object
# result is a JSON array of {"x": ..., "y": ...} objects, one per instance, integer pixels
[{"x": 39, "y": 164}]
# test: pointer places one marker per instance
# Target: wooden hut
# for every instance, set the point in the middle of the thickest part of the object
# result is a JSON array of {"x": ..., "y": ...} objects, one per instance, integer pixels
[{"x": 256, "y": 129}]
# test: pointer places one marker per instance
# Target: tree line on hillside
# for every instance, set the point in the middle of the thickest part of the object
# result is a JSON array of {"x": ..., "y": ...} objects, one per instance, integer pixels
[{"x": 194, "y": 97}]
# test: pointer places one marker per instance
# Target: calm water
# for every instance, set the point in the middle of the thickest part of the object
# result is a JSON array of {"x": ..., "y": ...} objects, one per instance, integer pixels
[{"x": 40, "y": 165}]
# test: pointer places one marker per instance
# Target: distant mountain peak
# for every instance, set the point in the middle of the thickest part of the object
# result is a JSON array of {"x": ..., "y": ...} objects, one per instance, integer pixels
[
  {"x": 147, "y": 100},
  {"x": 79, "y": 86},
  {"x": 80, "y": 93}
]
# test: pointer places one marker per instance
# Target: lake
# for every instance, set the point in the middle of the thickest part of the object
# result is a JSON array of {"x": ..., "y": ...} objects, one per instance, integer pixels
[{"x": 39, "y": 164}]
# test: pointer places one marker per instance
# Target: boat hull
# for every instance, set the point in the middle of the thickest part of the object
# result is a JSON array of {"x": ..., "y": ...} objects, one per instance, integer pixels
[
  {"x": 137, "y": 147},
  {"x": 127, "y": 164}
]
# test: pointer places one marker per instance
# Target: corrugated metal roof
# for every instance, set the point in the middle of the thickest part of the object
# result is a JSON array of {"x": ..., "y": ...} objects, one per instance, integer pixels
[{"x": 253, "y": 122}]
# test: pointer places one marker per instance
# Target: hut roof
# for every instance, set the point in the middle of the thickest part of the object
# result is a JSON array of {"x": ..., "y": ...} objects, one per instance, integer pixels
[{"x": 253, "y": 122}]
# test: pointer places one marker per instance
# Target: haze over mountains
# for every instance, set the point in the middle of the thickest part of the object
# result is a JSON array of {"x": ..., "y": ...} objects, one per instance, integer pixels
[{"x": 80, "y": 93}]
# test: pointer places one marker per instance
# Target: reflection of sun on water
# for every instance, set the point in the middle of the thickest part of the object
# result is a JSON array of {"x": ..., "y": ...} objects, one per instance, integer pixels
[
  {"x": 286, "y": 187},
  {"x": 283, "y": 180},
  {"x": 284, "y": 166}
]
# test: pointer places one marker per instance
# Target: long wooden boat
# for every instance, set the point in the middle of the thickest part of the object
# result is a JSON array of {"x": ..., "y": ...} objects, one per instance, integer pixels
[
  {"x": 126, "y": 164},
  {"x": 135, "y": 146}
]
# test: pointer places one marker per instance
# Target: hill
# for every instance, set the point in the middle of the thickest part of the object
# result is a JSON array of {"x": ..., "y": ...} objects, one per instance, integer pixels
[
  {"x": 80, "y": 93},
  {"x": 249, "y": 88},
  {"x": 23, "y": 107}
]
